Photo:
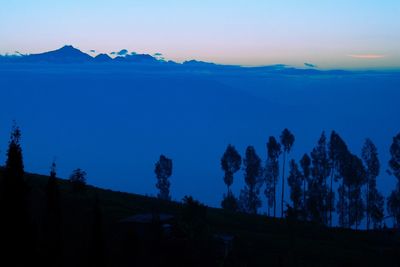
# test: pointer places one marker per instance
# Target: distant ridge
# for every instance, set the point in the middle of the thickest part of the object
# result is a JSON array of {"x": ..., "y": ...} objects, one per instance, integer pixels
[
  {"x": 71, "y": 55},
  {"x": 102, "y": 58},
  {"x": 66, "y": 54}
]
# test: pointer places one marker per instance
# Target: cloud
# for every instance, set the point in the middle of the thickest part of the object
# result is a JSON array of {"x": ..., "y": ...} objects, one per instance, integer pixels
[
  {"x": 123, "y": 52},
  {"x": 113, "y": 53},
  {"x": 133, "y": 53},
  {"x": 310, "y": 65},
  {"x": 367, "y": 56}
]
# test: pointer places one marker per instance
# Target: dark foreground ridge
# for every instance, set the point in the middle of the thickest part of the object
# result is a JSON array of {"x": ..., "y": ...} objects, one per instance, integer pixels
[{"x": 107, "y": 228}]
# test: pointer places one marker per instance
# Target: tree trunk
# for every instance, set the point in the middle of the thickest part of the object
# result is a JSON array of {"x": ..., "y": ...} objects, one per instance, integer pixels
[
  {"x": 331, "y": 200},
  {"x": 368, "y": 218},
  {"x": 275, "y": 197},
  {"x": 283, "y": 182},
  {"x": 304, "y": 198}
]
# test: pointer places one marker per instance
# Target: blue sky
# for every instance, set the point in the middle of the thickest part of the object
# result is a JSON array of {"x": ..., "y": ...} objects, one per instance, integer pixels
[{"x": 330, "y": 34}]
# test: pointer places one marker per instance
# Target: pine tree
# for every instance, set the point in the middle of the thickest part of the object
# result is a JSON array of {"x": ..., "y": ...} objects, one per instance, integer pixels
[
  {"x": 52, "y": 191},
  {"x": 272, "y": 171},
  {"x": 287, "y": 140},
  {"x": 53, "y": 220},
  {"x": 249, "y": 196},
  {"x": 295, "y": 181},
  {"x": 17, "y": 232},
  {"x": 163, "y": 170},
  {"x": 374, "y": 200},
  {"x": 393, "y": 204}
]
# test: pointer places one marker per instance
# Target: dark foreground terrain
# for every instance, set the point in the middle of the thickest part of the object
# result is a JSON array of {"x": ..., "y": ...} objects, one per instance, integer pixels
[{"x": 97, "y": 229}]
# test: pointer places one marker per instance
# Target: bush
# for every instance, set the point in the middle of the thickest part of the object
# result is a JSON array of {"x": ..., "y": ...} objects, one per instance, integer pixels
[{"x": 78, "y": 180}]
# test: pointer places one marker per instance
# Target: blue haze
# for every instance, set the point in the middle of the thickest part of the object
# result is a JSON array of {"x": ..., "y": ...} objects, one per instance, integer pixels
[{"x": 115, "y": 120}]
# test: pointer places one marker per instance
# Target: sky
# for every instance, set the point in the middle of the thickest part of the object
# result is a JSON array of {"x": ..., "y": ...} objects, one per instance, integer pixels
[{"x": 349, "y": 34}]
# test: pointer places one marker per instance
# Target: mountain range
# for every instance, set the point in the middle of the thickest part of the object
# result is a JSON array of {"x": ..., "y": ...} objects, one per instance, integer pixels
[{"x": 71, "y": 55}]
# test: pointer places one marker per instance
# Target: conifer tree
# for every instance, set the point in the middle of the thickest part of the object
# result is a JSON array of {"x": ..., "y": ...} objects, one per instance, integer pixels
[
  {"x": 17, "y": 232},
  {"x": 52, "y": 223}
]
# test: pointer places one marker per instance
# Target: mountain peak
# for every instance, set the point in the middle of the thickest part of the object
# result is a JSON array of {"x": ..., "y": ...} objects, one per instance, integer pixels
[
  {"x": 65, "y": 54},
  {"x": 68, "y": 47}
]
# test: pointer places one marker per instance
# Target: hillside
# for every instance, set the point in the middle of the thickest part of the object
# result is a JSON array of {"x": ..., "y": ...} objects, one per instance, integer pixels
[{"x": 257, "y": 240}]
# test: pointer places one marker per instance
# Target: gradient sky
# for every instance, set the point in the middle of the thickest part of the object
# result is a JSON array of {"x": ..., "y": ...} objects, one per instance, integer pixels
[{"x": 330, "y": 34}]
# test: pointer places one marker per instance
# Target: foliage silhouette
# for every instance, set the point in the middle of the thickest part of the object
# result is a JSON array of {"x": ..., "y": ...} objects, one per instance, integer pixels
[
  {"x": 163, "y": 170},
  {"x": 272, "y": 172},
  {"x": 287, "y": 140},
  {"x": 78, "y": 180},
  {"x": 249, "y": 196}
]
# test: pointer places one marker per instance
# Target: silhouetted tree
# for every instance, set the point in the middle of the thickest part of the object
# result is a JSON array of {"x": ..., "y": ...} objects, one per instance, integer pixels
[
  {"x": 163, "y": 170},
  {"x": 271, "y": 172},
  {"x": 78, "y": 180},
  {"x": 17, "y": 232},
  {"x": 317, "y": 191},
  {"x": 295, "y": 180},
  {"x": 337, "y": 150},
  {"x": 52, "y": 190},
  {"x": 339, "y": 157},
  {"x": 354, "y": 179},
  {"x": 305, "y": 164},
  {"x": 230, "y": 163},
  {"x": 230, "y": 202},
  {"x": 287, "y": 140},
  {"x": 374, "y": 200},
  {"x": 249, "y": 196},
  {"x": 53, "y": 220},
  {"x": 393, "y": 204},
  {"x": 194, "y": 219}
]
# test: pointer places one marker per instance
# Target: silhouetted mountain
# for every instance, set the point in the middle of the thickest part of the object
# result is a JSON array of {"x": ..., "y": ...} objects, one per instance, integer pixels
[
  {"x": 137, "y": 58},
  {"x": 198, "y": 63},
  {"x": 102, "y": 58},
  {"x": 66, "y": 54}
]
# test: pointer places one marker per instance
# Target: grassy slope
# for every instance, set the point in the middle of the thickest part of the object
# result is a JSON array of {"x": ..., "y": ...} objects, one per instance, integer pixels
[{"x": 259, "y": 239}]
